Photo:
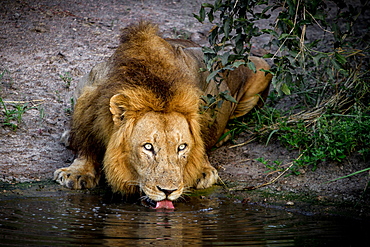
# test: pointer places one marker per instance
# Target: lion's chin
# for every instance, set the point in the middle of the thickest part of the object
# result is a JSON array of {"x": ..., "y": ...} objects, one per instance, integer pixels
[{"x": 164, "y": 204}]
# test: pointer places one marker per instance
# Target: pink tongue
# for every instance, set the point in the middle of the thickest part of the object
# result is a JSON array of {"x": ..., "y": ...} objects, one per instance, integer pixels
[{"x": 164, "y": 204}]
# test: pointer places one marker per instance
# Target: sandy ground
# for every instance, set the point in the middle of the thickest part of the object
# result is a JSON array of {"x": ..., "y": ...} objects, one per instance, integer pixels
[{"x": 40, "y": 41}]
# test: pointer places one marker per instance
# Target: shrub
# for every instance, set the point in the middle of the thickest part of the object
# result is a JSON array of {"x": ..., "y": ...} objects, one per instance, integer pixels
[{"x": 327, "y": 74}]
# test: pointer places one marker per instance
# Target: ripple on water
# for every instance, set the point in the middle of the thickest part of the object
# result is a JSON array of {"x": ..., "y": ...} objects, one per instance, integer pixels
[{"x": 80, "y": 219}]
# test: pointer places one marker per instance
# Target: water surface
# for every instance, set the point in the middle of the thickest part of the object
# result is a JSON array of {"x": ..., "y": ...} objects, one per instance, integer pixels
[{"x": 75, "y": 219}]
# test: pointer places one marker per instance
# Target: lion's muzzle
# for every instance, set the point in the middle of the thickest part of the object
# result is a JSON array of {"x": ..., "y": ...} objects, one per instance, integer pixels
[
  {"x": 162, "y": 198},
  {"x": 165, "y": 191}
]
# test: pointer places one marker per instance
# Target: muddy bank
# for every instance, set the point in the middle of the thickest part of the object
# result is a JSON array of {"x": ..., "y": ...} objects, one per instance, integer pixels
[{"x": 46, "y": 46}]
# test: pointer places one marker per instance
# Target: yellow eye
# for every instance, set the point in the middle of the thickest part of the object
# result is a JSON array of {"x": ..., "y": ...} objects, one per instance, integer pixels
[
  {"x": 148, "y": 146},
  {"x": 182, "y": 147}
]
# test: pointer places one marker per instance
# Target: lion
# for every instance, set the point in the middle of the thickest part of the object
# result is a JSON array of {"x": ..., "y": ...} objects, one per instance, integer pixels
[{"x": 138, "y": 118}]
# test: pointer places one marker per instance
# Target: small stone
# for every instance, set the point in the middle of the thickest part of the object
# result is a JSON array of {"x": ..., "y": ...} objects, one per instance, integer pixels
[{"x": 289, "y": 203}]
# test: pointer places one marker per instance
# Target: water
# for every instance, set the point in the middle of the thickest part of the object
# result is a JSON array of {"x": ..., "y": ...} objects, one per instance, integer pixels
[{"x": 76, "y": 219}]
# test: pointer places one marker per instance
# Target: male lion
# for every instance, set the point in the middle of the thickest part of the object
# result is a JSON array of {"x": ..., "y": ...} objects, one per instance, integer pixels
[{"x": 138, "y": 118}]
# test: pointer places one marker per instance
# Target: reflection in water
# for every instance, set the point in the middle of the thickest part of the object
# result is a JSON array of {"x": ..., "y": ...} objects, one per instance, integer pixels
[{"x": 80, "y": 219}]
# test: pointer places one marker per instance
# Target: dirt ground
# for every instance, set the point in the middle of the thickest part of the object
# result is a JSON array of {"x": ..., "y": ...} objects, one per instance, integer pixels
[{"x": 43, "y": 43}]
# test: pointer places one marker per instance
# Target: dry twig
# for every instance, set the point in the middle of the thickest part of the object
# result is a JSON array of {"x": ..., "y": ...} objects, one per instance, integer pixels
[{"x": 275, "y": 179}]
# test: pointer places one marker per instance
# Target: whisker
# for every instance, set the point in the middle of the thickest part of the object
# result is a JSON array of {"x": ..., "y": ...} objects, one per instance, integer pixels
[
  {"x": 143, "y": 197},
  {"x": 147, "y": 202},
  {"x": 181, "y": 199}
]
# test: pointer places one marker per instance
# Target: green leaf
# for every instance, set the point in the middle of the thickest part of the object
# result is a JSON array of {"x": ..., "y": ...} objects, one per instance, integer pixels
[
  {"x": 224, "y": 135},
  {"x": 208, "y": 50},
  {"x": 317, "y": 58},
  {"x": 288, "y": 79},
  {"x": 197, "y": 17},
  {"x": 236, "y": 64},
  {"x": 268, "y": 55},
  {"x": 213, "y": 36},
  {"x": 218, "y": 4},
  {"x": 228, "y": 67},
  {"x": 219, "y": 103},
  {"x": 269, "y": 137},
  {"x": 287, "y": 36},
  {"x": 267, "y": 71},
  {"x": 207, "y": 5},
  {"x": 252, "y": 66},
  {"x": 227, "y": 28},
  {"x": 285, "y": 89},
  {"x": 212, "y": 75},
  {"x": 337, "y": 65},
  {"x": 226, "y": 95},
  {"x": 225, "y": 58},
  {"x": 270, "y": 31},
  {"x": 209, "y": 99},
  {"x": 210, "y": 16},
  {"x": 341, "y": 59},
  {"x": 239, "y": 46},
  {"x": 202, "y": 14},
  {"x": 267, "y": 8},
  {"x": 349, "y": 175}
]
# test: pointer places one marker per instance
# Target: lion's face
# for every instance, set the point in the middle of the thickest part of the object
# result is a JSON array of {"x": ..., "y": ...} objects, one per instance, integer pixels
[
  {"x": 153, "y": 150},
  {"x": 160, "y": 145}
]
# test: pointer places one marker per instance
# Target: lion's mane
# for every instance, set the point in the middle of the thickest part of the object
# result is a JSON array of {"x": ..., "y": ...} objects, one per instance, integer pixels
[{"x": 145, "y": 79}]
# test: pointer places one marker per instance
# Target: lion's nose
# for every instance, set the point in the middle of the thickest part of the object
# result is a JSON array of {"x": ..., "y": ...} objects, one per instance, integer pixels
[{"x": 166, "y": 191}]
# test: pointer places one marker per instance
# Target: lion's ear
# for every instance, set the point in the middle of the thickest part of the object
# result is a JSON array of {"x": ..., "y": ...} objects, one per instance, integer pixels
[{"x": 117, "y": 108}]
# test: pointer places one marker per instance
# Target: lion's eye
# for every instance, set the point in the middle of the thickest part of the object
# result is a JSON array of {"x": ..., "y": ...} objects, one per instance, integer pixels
[
  {"x": 148, "y": 146},
  {"x": 182, "y": 147}
]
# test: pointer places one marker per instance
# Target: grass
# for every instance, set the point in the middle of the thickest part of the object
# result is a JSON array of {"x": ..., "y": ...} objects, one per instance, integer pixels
[
  {"x": 69, "y": 110},
  {"x": 329, "y": 138},
  {"x": 67, "y": 79},
  {"x": 330, "y": 132},
  {"x": 12, "y": 114},
  {"x": 271, "y": 165},
  {"x": 319, "y": 138}
]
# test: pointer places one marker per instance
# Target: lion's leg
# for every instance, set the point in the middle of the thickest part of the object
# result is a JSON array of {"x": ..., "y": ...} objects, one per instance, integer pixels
[
  {"x": 209, "y": 176},
  {"x": 254, "y": 89},
  {"x": 81, "y": 174},
  {"x": 248, "y": 101},
  {"x": 248, "y": 88},
  {"x": 245, "y": 105}
]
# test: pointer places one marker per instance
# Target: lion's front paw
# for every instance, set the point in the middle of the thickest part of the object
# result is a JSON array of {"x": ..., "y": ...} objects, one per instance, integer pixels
[
  {"x": 210, "y": 176},
  {"x": 77, "y": 176}
]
